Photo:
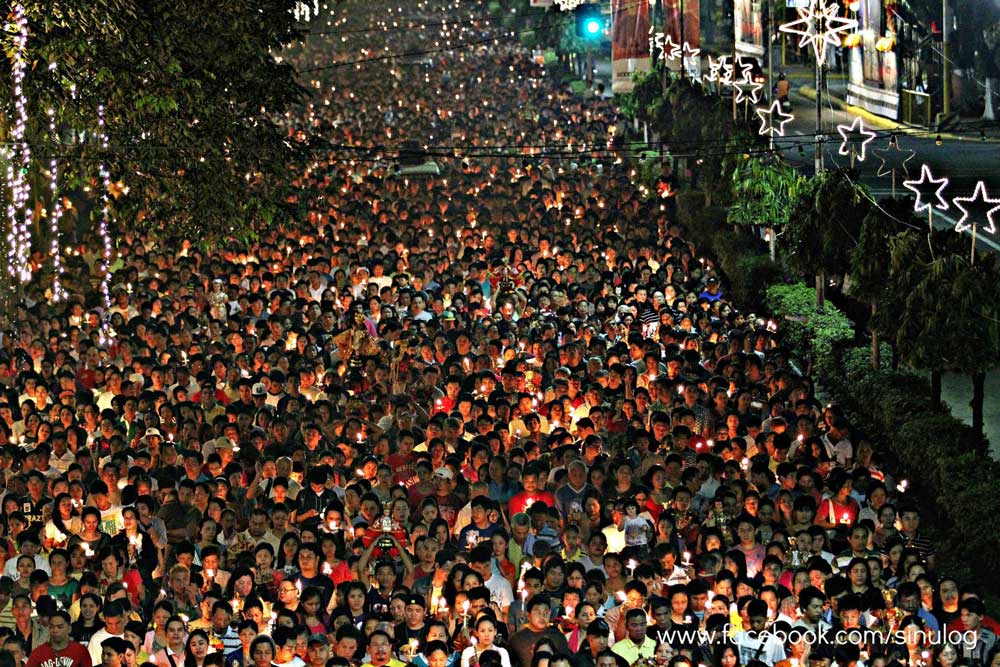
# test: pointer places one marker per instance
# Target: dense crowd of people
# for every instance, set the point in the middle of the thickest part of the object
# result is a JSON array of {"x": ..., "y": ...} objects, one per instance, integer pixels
[{"x": 504, "y": 416}]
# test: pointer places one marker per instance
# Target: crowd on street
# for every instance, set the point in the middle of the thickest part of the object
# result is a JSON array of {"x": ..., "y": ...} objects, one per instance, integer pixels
[{"x": 502, "y": 416}]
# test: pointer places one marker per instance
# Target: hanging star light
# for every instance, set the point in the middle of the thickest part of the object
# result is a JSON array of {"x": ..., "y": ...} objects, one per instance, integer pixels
[
  {"x": 748, "y": 90},
  {"x": 979, "y": 202},
  {"x": 671, "y": 50},
  {"x": 920, "y": 188},
  {"x": 714, "y": 68},
  {"x": 819, "y": 25},
  {"x": 893, "y": 159},
  {"x": 768, "y": 126},
  {"x": 853, "y": 134}
]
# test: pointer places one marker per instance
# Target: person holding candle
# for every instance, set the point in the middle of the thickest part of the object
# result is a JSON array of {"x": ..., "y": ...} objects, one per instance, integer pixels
[
  {"x": 485, "y": 633},
  {"x": 839, "y": 509}
]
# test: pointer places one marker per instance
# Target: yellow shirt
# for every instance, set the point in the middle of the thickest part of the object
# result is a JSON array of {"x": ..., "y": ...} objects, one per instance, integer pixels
[{"x": 627, "y": 649}]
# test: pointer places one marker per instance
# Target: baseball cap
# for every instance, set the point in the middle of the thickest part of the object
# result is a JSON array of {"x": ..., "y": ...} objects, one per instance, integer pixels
[
  {"x": 258, "y": 389},
  {"x": 445, "y": 472},
  {"x": 318, "y": 639}
]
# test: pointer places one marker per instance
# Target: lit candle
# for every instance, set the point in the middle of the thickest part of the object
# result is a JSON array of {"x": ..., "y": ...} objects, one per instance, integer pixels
[{"x": 846, "y": 518}]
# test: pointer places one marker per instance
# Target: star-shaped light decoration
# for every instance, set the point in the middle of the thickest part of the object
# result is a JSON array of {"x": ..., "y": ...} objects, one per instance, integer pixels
[
  {"x": 854, "y": 134},
  {"x": 569, "y": 5},
  {"x": 714, "y": 68},
  {"x": 893, "y": 158},
  {"x": 980, "y": 203},
  {"x": 819, "y": 25},
  {"x": 672, "y": 48},
  {"x": 927, "y": 185},
  {"x": 773, "y": 120},
  {"x": 748, "y": 90}
]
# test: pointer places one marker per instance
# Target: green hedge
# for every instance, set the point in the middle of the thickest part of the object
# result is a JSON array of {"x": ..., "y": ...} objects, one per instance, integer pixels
[{"x": 813, "y": 335}]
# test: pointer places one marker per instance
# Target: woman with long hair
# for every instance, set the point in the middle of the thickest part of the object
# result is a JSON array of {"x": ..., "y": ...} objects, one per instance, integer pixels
[
  {"x": 196, "y": 648},
  {"x": 64, "y": 523},
  {"x": 311, "y": 612},
  {"x": 88, "y": 622},
  {"x": 156, "y": 636},
  {"x": 90, "y": 536},
  {"x": 288, "y": 554}
]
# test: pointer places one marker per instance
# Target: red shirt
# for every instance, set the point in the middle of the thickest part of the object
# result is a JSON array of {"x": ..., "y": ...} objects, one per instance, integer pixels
[{"x": 74, "y": 655}]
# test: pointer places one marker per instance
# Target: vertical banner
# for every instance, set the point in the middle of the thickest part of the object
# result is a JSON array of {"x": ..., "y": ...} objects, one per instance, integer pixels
[
  {"x": 691, "y": 26},
  {"x": 874, "y": 77},
  {"x": 629, "y": 42},
  {"x": 748, "y": 19}
]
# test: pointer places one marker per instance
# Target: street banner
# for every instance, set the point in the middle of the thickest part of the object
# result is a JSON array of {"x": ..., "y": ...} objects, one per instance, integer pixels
[
  {"x": 749, "y": 24},
  {"x": 874, "y": 72},
  {"x": 629, "y": 42},
  {"x": 691, "y": 26}
]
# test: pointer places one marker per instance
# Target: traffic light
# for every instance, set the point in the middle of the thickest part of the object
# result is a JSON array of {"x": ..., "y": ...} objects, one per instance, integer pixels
[{"x": 589, "y": 22}]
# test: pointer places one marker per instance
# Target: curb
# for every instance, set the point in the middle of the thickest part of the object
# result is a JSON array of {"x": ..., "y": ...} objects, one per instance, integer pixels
[{"x": 883, "y": 123}]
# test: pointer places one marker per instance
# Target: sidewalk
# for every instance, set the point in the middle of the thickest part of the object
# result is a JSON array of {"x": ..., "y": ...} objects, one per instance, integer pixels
[{"x": 803, "y": 80}]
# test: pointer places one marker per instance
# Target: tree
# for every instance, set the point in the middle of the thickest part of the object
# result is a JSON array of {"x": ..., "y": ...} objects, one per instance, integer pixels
[
  {"x": 944, "y": 310},
  {"x": 192, "y": 94},
  {"x": 823, "y": 227},
  {"x": 764, "y": 191},
  {"x": 870, "y": 260}
]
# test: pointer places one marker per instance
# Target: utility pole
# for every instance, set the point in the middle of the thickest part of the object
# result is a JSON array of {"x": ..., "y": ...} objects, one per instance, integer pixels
[
  {"x": 945, "y": 62},
  {"x": 681, "y": 24},
  {"x": 819, "y": 114}
]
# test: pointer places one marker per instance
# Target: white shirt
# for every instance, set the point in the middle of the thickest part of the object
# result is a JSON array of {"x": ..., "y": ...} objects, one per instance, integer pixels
[
  {"x": 470, "y": 652},
  {"x": 94, "y": 647},
  {"x": 10, "y": 569},
  {"x": 500, "y": 591},
  {"x": 766, "y": 648}
]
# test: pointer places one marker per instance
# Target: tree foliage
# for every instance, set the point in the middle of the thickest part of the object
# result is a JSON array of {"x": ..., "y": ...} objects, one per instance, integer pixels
[
  {"x": 824, "y": 224},
  {"x": 764, "y": 191},
  {"x": 193, "y": 95},
  {"x": 941, "y": 311}
]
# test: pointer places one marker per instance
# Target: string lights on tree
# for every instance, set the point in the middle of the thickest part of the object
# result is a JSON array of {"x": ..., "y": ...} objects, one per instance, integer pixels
[
  {"x": 18, "y": 156},
  {"x": 55, "y": 215},
  {"x": 105, "y": 177}
]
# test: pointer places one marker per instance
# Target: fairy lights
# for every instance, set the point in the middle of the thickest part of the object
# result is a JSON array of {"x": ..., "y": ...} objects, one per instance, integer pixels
[
  {"x": 105, "y": 208},
  {"x": 55, "y": 214},
  {"x": 19, "y": 156}
]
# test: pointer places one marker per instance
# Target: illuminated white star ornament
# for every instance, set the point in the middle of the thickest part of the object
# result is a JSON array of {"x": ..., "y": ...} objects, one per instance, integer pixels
[
  {"x": 748, "y": 90},
  {"x": 819, "y": 25},
  {"x": 927, "y": 185},
  {"x": 893, "y": 158},
  {"x": 989, "y": 204},
  {"x": 773, "y": 120},
  {"x": 853, "y": 134},
  {"x": 714, "y": 67},
  {"x": 569, "y": 5}
]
